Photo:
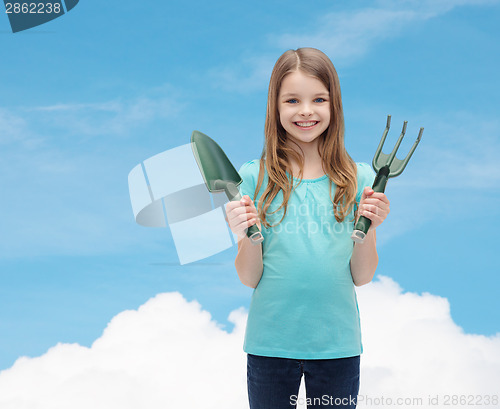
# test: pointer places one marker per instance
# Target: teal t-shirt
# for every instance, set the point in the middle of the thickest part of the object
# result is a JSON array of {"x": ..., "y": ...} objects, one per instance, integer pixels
[{"x": 305, "y": 305}]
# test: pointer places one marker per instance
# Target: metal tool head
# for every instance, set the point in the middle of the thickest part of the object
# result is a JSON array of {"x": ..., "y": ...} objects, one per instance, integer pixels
[
  {"x": 396, "y": 166},
  {"x": 214, "y": 165}
]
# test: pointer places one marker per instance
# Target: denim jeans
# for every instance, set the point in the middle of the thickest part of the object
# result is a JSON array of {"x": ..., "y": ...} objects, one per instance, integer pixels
[{"x": 273, "y": 383}]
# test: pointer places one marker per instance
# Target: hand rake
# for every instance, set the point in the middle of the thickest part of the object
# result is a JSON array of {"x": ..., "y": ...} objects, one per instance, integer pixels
[{"x": 386, "y": 166}]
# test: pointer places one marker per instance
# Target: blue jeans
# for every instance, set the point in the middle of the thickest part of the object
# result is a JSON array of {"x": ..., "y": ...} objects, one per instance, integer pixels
[{"x": 273, "y": 383}]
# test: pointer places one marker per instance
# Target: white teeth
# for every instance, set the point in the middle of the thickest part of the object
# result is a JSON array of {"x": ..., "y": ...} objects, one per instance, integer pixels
[{"x": 306, "y": 124}]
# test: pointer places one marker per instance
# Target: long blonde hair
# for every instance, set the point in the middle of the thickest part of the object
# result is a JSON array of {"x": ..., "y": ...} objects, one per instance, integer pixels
[{"x": 337, "y": 163}]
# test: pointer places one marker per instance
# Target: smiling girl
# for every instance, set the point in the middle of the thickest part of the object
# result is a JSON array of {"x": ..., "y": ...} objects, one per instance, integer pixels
[{"x": 303, "y": 318}]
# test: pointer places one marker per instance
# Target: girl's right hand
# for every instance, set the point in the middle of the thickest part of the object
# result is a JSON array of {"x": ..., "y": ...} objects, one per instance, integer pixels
[{"x": 241, "y": 214}]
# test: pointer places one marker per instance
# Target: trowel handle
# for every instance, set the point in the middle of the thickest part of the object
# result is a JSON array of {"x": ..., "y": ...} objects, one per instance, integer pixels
[
  {"x": 363, "y": 224},
  {"x": 253, "y": 231}
]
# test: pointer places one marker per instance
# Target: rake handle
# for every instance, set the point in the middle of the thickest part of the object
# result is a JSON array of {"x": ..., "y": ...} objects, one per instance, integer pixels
[{"x": 364, "y": 223}]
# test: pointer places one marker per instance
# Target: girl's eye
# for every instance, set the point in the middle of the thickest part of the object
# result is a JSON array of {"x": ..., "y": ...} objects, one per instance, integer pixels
[
  {"x": 292, "y": 101},
  {"x": 320, "y": 100}
]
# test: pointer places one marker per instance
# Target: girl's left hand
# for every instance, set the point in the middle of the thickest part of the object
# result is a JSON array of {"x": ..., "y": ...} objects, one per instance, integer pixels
[{"x": 374, "y": 206}]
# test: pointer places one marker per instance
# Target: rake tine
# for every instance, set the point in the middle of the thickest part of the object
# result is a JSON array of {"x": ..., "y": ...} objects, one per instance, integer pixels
[
  {"x": 396, "y": 147},
  {"x": 404, "y": 162},
  {"x": 380, "y": 145},
  {"x": 384, "y": 172}
]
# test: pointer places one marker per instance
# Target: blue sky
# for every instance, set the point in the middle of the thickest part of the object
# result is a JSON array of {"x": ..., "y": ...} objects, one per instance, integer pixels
[{"x": 86, "y": 97}]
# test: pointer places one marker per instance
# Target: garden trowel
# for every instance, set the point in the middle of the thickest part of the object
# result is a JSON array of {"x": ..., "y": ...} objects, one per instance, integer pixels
[{"x": 219, "y": 173}]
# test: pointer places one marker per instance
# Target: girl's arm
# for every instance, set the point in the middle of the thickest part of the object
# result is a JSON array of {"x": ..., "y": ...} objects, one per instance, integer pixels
[
  {"x": 364, "y": 259},
  {"x": 241, "y": 215},
  {"x": 248, "y": 262}
]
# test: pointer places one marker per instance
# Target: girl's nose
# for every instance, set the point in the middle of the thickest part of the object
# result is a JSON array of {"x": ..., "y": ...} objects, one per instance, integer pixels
[{"x": 306, "y": 110}]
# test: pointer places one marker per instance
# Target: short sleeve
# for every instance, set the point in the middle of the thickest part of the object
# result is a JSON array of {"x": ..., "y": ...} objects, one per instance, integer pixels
[
  {"x": 366, "y": 177},
  {"x": 249, "y": 173}
]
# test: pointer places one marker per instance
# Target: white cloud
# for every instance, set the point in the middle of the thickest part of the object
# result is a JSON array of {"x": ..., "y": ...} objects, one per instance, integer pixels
[
  {"x": 64, "y": 170},
  {"x": 345, "y": 36},
  {"x": 243, "y": 76},
  {"x": 170, "y": 353},
  {"x": 455, "y": 169},
  {"x": 432, "y": 8},
  {"x": 112, "y": 106},
  {"x": 111, "y": 117},
  {"x": 167, "y": 354},
  {"x": 414, "y": 349},
  {"x": 15, "y": 130},
  {"x": 457, "y": 146},
  {"x": 348, "y": 35}
]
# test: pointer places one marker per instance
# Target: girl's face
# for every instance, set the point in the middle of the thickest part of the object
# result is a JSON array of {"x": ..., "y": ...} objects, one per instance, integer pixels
[{"x": 304, "y": 107}]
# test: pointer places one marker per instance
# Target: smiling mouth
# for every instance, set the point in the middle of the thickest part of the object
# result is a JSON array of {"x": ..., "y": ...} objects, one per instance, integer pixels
[{"x": 306, "y": 124}]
